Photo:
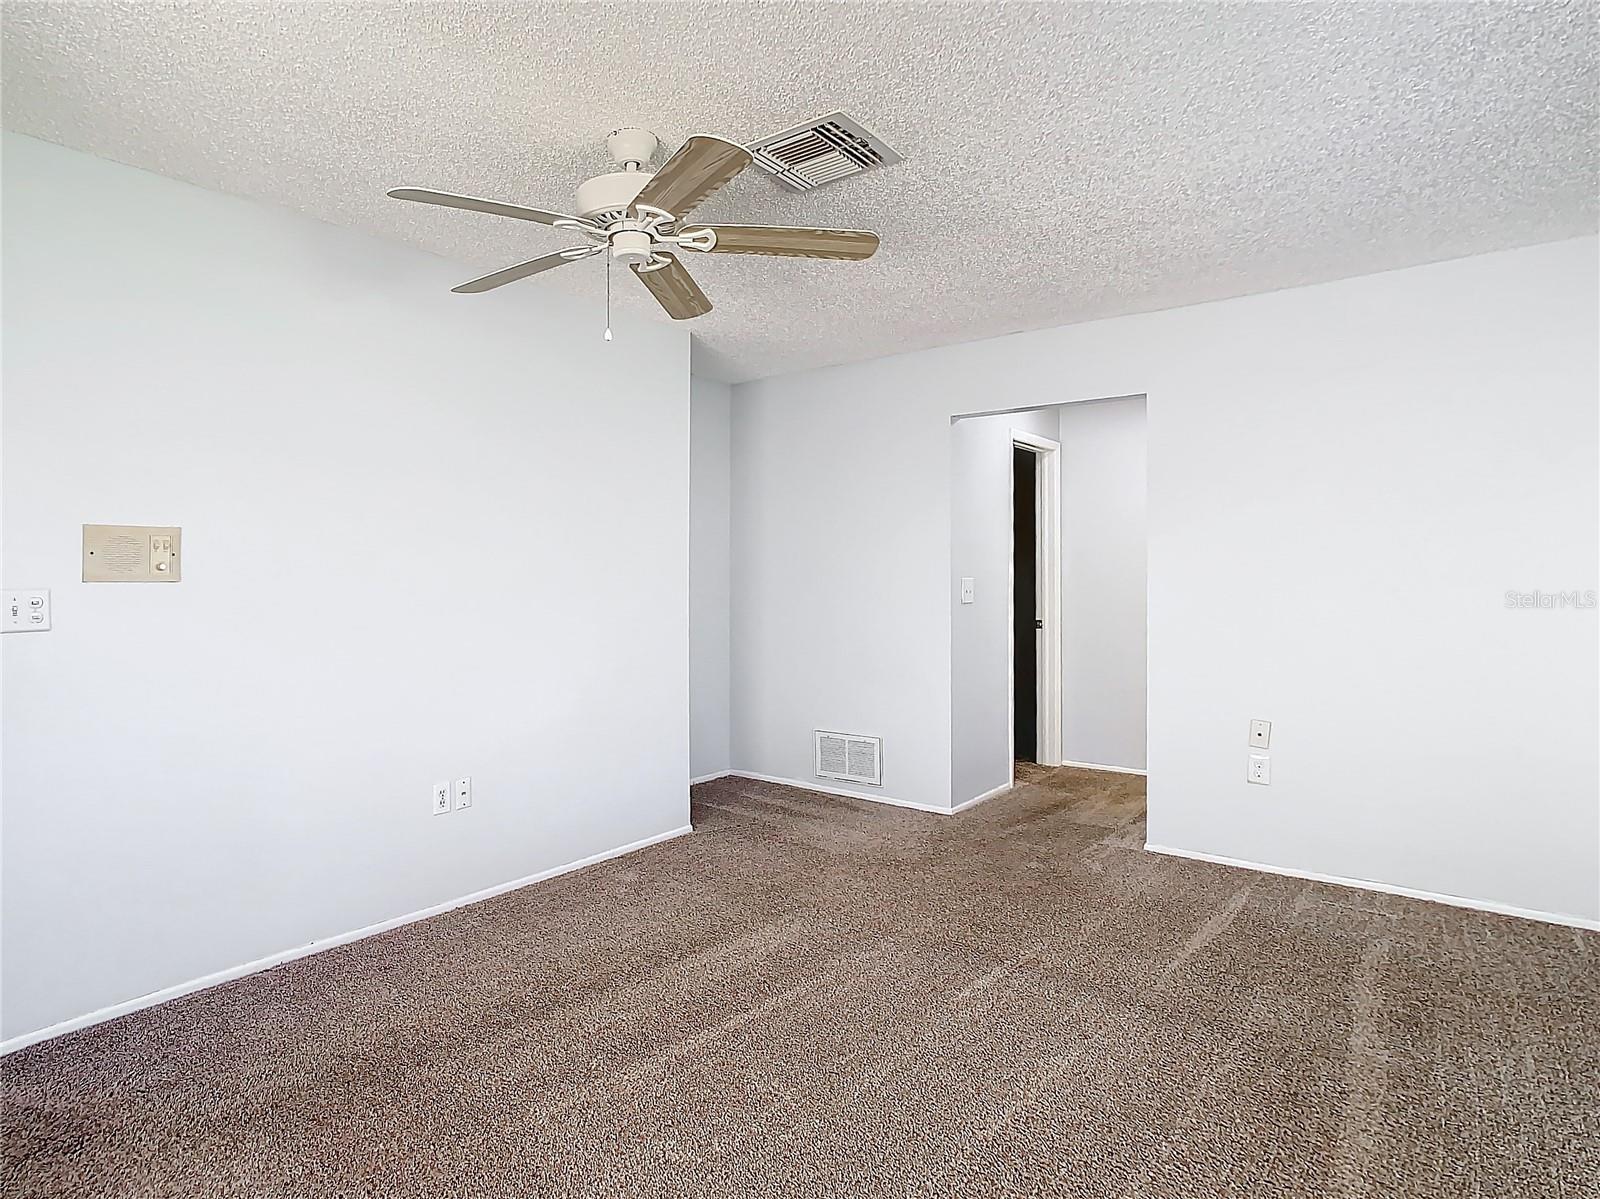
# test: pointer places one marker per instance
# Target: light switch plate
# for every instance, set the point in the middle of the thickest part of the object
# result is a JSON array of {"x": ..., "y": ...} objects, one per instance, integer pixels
[
  {"x": 132, "y": 554},
  {"x": 1260, "y": 734},
  {"x": 26, "y": 612}
]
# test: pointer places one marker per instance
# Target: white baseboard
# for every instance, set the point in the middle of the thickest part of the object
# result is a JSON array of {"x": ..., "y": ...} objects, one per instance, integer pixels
[
  {"x": 978, "y": 799},
  {"x": 288, "y": 955},
  {"x": 707, "y": 778},
  {"x": 813, "y": 785},
  {"x": 1102, "y": 766},
  {"x": 1360, "y": 884}
]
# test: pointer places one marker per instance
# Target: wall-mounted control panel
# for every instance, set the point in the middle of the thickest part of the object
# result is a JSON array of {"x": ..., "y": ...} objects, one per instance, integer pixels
[
  {"x": 132, "y": 554},
  {"x": 25, "y": 612}
]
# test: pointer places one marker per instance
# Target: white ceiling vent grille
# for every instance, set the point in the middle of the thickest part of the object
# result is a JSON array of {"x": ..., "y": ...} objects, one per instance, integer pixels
[
  {"x": 821, "y": 151},
  {"x": 849, "y": 757}
]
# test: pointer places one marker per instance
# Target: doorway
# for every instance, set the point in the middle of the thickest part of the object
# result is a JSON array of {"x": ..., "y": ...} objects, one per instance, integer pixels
[
  {"x": 1025, "y": 622},
  {"x": 1035, "y": 600}
]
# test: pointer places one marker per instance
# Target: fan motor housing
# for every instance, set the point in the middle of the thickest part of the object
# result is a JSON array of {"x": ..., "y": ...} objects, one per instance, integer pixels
[{"x": 610, "y": 193}]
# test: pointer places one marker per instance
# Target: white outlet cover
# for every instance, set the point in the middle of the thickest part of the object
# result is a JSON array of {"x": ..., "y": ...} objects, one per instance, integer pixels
[
  {"x": 967, "y": 586},
  {"x": 1260, "y": 734},
  {"x": 439, "y": 801},
  {"x": 26, "y": 612},
  {"x": 1259, "y": 770}
]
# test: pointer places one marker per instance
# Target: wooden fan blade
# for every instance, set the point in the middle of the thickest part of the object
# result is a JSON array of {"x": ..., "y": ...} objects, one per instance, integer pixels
[
  {"x": 523, "y": 269},
  {"x": 423, "y": 195},
  {"x": 792, "y": 243},
  {"x": 701, "y": 166},
  {"x": 675, "y": 290}
]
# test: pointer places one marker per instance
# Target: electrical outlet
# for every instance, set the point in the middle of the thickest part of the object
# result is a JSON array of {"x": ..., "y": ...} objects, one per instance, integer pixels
[
  {"x": 441, "y": 799},
  {"x": 1260, "y": 734},
  {"x": 1260, "y": 770},
  {"x": 463, "y": 793},
  {"x": 26, "y": 611}
]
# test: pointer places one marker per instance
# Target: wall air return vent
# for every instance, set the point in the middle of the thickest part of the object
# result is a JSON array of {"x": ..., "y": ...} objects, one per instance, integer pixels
[
  {"x": 821, "y": 151},
  {"x": 849, "y": 757}
]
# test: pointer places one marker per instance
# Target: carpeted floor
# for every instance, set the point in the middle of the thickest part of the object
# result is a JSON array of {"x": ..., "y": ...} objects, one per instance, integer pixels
[{"x": 813, "y": 996}]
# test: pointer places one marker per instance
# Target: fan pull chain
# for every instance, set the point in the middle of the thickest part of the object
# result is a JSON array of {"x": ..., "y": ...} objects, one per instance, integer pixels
[{"x": 608, "y": 297}]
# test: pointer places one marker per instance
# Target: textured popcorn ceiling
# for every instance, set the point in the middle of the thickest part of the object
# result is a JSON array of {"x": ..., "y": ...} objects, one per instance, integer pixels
[{"x": 1063, "y": 162}]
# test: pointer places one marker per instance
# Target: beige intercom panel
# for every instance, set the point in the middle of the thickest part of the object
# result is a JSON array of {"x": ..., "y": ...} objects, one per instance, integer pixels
[{"x": 131, "y": 554}]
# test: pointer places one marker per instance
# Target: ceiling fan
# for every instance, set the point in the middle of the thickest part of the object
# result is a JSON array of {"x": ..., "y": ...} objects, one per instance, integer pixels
[{"x": 641, "y": 217}]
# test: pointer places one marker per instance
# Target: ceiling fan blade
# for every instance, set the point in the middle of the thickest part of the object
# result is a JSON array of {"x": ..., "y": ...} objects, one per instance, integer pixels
[
  {"x": 701, "y": 166},
  {"x": 792, "y": 243},
  {"x": 523, "y": 269},
  {"x": 675, "y": 289},
  {"x": 423, "y": 195}
]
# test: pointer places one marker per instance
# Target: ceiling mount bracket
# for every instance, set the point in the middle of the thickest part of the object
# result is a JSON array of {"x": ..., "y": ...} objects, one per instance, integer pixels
[{"x": 704, "y": 240}]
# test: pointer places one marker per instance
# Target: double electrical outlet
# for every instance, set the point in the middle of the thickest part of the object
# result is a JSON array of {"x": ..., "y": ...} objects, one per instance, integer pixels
[{"x": 451, "y": 797}]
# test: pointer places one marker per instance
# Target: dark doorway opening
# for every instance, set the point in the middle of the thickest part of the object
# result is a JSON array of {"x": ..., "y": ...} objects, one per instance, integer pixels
[{"x": 1024, "y": 597}]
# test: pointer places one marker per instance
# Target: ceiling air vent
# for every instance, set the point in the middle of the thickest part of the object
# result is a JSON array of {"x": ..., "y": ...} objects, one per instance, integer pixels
[
  {"x": 821, "y": 151},
  {"x": 850, "y": 757}
]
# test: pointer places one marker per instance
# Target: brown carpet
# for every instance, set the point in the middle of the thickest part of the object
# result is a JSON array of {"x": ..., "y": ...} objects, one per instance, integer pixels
[{"x": 813, "y": 996}]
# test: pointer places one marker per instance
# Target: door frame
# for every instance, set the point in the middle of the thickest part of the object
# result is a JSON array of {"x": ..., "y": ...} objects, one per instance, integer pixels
[{"x": 1047, "y": 598}]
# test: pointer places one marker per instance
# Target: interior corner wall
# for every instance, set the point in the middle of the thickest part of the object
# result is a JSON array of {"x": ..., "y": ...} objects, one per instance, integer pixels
[
  {"x": 1104, "y": 534},
  {"x": 709, "y": 578},
  {"x": 1345, "y": 483},
  {"x": 841, "y": 552},
  {"x": 424, "y": 536}
]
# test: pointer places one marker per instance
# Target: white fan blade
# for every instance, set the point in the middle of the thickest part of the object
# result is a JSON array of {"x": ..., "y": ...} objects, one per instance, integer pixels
[
  {"x": 423, "y": 195},
  {"x": 523, "y": 269}
]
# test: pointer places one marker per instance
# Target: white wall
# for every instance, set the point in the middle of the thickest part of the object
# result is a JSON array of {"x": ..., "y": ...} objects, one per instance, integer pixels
[
  {"x": 980, "y": 632},
  {"x": 841, "y": 615},
  {"x": 425, "y": 535},
  {"x": 1344, "y": 481},
  {"x": 709, "y": 578},
  {"x": 1103, "y": 539}
]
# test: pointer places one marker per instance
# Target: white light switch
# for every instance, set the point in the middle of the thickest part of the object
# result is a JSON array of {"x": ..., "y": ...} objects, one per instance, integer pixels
[
  {"x": 1260, "y": 734},
  {"x": 160, "y": 554},
  {"x": 26, "y": 612},
  {"x": 966, "y": 591}
]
